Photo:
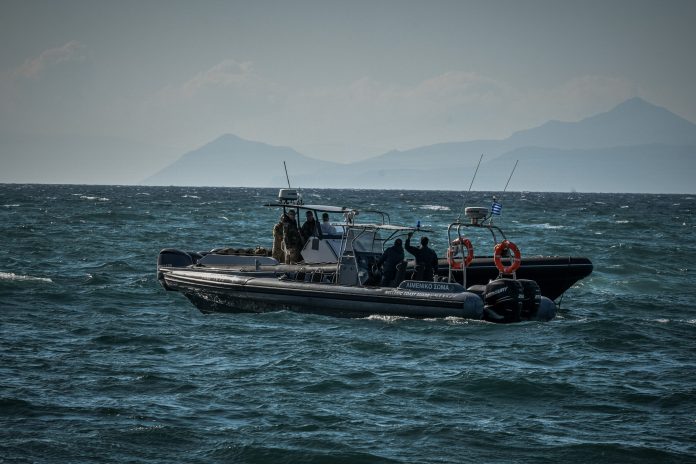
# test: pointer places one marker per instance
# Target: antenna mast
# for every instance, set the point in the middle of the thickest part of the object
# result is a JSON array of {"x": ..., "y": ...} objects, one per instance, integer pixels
[
  {"x": 513, "y": 171},
  {"x": 286, "y": 174},
  {"x": 497, "y": 207},
  {"x": 470, "y": 185}
]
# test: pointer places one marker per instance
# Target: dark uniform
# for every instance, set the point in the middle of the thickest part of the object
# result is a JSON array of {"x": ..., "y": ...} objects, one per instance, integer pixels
[
  {"x": 310, "y": 228},
  {"x": 426, "y": 260},
  {"x": 389, "y": 260}
]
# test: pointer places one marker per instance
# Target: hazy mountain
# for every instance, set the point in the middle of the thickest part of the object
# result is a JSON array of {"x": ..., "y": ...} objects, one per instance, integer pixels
[
  {"x": 635, "y": 147},
  {"x": 233, "y": 161},
  {"x": 633, "y": 122}
]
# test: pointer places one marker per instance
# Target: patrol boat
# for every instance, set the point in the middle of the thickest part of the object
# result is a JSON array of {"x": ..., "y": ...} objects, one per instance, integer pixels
[{"x": 338, "y": 276}]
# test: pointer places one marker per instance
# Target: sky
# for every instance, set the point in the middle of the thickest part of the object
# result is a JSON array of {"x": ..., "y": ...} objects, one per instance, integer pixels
[{"x": 139, "y": 83}]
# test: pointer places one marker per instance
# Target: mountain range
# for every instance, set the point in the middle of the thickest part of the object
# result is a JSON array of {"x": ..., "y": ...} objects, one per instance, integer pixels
[{"x": 634, "y": 147}]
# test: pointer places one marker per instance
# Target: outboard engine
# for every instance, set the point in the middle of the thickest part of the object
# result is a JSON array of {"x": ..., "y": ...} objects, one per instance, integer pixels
[
  {"x": 503, "y": 301},
  {"x": 170, "y": 257},
  {"x": 531, "y": 298}
]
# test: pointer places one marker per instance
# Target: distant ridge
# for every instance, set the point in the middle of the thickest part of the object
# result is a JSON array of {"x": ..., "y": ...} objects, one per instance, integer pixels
[
  {"x": 634, "y": 147},
  {"x": 633, "y": 122},
  {"x": 231, "y": 160}
]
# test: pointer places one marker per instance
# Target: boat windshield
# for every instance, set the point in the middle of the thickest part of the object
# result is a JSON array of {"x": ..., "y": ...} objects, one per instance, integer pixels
[{"x": 375, "y": 238}]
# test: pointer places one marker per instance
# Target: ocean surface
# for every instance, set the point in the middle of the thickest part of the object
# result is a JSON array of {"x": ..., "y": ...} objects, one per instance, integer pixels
[{"x": 99, "y": 364}]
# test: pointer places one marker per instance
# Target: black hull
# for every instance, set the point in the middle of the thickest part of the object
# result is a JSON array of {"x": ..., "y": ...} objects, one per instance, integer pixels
[
  {"x": 213, "y": 292},
  {"x": 554, "y": 274},
  {"x": 250, "y": 284}
]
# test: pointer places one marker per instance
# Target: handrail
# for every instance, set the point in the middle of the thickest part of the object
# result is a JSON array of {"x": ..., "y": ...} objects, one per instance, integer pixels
[{"x": 458, "y": 225}]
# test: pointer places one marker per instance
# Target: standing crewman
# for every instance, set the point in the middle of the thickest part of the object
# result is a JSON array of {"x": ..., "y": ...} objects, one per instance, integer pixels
[
  {"x": 292, "y": 241},
  {"x": 389, "y": 260},
  {"x": 277, "y": 251},
  {"x": 426, "y": 259}
]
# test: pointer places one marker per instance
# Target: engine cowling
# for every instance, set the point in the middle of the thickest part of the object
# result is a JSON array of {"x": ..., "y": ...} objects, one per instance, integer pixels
[{"x": 503, "y": 301}]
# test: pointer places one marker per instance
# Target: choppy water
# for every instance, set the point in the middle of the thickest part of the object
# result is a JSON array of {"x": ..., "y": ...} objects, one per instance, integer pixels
[{"x": 99, "y": 364}]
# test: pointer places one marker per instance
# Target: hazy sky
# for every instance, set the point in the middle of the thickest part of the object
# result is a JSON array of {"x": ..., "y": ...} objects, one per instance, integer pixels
[{"x": 338, "y": 80}]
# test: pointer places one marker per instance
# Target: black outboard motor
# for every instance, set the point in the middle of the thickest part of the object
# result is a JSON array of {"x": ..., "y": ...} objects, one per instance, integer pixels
[
  {"x": 503, "y": 301},
  {"x": 170, "y": 257},
  {"x": 531, "y": 298}
]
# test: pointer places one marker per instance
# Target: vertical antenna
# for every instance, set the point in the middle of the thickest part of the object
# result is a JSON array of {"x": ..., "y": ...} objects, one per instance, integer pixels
[
  {"x": 513, "y": 171},
  {"x": 286, "y": 174},
  {"x": 470, "y": 185},
  {"x": 494, "y": 211}
]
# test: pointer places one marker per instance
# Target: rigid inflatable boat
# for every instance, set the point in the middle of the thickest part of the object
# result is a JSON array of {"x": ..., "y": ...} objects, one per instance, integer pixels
[{"x": 338, "y": 275}]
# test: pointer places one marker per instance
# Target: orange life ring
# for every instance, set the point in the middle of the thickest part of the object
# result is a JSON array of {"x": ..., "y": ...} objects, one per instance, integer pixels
[
  {"x": 452, "y": 251},
  {"x": 516, "y": 260}
]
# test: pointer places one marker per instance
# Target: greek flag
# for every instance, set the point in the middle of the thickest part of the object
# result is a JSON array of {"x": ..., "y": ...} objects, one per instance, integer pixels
[{"x": 496, "y": 208}]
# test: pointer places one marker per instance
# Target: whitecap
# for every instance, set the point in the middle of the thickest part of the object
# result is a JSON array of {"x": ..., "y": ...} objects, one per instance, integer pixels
[
  {"x": 16, "y": 277},
  {"x": 622, "y": 221},
  {"x": 385, "y": 318},
  {"x": 435, "y": 207},
  {"x": 11, "y": 206},
  {"x": 456, "y": 320},
  {"x": 191, "y": 196},
  {"x": 91, "y": 198},
  {"x": 546, "y": 225}
]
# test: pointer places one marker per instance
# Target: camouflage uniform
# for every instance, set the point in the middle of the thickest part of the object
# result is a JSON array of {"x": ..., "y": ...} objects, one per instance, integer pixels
[
  {"x": 277, "y": 252},
  {"x": 292, "y": 242}
]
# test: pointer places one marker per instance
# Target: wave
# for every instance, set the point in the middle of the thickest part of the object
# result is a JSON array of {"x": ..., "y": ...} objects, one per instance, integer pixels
[
  {"x": 546, "y": 225},
  {"x": 15, "y": 277},
  {"x": 435, "y": 207}
]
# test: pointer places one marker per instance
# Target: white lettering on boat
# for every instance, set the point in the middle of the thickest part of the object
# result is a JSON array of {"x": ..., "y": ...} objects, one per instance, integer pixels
[{"x": 430, "y": 286}]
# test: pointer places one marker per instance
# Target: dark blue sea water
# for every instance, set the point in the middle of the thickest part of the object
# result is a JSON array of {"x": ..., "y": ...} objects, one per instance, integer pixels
[{"x": 100, "y": 364}]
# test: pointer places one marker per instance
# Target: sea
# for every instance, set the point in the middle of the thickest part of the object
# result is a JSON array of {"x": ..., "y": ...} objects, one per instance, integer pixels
[{"x": 99, "y": 364}]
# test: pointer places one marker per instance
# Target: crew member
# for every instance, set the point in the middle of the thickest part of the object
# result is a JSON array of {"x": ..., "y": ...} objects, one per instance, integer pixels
[
  {"x": 292, "y": 240},
  {"x": 389, "y": 259},
  {"x": 326, "y": 227},
  {"x": 309, "y": 228},
  {"x": 426, "y": 259},
  {"x": 277, "y": 251}
]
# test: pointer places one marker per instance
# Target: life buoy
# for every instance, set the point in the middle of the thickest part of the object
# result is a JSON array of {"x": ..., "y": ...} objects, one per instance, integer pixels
[
  {"x": 452, "y": 252},
  {"x": 516, "y": 260}
]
